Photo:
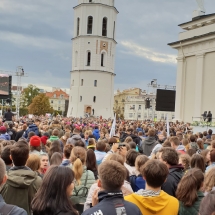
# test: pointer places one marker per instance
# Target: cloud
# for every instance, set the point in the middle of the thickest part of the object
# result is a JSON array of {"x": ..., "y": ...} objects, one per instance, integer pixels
[{"x": 138, "y": 50}]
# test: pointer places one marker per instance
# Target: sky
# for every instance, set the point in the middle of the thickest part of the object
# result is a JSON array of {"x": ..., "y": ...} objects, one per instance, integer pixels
[{"x": 37, "y": 35}]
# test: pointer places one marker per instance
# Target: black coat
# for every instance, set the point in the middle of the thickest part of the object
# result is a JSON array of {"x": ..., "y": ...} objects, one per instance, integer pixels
[
  {"x": 106, "y": 205},
  {"x": 19, "y": 135},
  {"x": 174, "y": 177}
]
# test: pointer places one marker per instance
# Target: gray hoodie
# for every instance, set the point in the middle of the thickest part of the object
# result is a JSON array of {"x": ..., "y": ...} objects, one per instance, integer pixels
[{"x": 148, "y": 144}]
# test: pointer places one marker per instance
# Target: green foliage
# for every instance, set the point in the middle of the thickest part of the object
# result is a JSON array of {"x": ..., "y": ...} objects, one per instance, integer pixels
[
  {"x": 40, "y": 105},
  {"x": 28, "y": 95}
]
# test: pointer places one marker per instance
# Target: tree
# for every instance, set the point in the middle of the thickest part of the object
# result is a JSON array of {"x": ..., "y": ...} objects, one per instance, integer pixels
[
  {"x": 40, "y": 105},
  {"x": 28, "y": 94}
]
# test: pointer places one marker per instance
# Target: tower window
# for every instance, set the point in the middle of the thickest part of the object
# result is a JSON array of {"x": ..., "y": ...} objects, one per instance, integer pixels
[
  {"x": 95, "y": 83},
  {"x": 78, "y": 26},
  {"x": 82, "y": 82},
  {"x": 73, "y": 82},
  {"x": 102, "y": 59},
  {"x": 104, "y": 27},
  {"x": 80, "y": 98},
  {"x": 88, "y": 58},
  {"x": 90, "y": 0},
  {"x": 94, "y": 98},
  {"x": 90, "y": 25}
]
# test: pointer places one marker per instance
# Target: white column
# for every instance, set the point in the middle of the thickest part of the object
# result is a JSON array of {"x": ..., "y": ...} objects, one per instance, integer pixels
[
  {"x": 199, "y": 85},
  {"x": 179, "y": 90}
]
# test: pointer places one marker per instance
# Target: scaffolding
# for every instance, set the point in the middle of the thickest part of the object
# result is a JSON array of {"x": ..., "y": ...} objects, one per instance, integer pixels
[{"x": 19, "y": 74}]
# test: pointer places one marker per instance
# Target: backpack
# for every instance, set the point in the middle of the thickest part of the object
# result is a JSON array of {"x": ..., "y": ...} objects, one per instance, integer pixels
[
  {"x": 6, "y": 209},
  {"x": 132, "y": 180}
]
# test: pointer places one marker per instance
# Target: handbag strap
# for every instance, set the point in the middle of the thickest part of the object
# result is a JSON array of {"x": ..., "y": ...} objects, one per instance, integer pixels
[{"x": 85, "y": 183}]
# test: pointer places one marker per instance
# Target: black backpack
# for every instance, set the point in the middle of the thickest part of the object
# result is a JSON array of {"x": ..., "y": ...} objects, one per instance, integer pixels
[{"x": 132, "y": 180}]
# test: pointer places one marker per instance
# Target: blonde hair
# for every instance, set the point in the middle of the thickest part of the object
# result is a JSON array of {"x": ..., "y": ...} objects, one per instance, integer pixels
[
  {"x": 78, "y": 159},
  {"x": 33, "y": 162},
  {"x": 209, "y": 182}
]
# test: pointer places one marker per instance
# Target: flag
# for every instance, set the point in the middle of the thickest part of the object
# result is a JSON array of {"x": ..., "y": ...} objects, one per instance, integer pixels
[
  {"x": 112, "y": 131},
  {"x": 167, "y": 125}
]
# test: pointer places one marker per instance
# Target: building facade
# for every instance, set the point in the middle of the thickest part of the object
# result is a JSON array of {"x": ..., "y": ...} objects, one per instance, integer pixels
[
  {"x": 58, "y": 99},
  {"x": 196, "y": 68},
  {"x": 121, "y": 96},
  {"x": 93, "y": 56},
  {"x": 135, "y": 108}
]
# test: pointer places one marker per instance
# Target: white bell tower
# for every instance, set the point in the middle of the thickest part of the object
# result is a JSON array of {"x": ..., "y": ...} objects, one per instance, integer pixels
[{"x": 93, "y": 54}]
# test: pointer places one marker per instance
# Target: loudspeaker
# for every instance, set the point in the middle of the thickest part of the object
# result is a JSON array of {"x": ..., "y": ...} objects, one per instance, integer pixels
[{"x": 165, "y": 100}]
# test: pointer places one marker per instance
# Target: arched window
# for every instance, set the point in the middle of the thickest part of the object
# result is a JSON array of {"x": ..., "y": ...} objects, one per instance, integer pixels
[
  {"x": 114, "y": 29},
  {"x": 94, "y": 98},
  {"x": 76, "y": 59},
  {"x": 80, "y": 98},
  {"x": 90, "y": 25},
  {"x": 95, "y": 83},
  {"x": 78, "y": 26},
  {"x": 82, "y": 82},
  {"x": 102, "y": 59},
  {"x": 90, "y": 0},
  {"x": 104, "y": 27},
  {"x": 88, "y": 58}
]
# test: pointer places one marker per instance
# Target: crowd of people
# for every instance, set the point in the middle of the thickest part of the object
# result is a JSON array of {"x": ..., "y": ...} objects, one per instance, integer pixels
[{"x": 70, "y": 166}]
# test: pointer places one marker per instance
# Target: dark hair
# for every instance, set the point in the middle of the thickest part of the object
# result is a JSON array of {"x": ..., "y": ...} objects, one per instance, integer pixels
[
  {"x": 212, "y": 155},
  {"x": 169, "y": 155},
  {"x": 191, "y": 181},
  {"x": 31, "y": 134},
  {"x": 197, "y": 161},
  {"x": 55, "y": 147},
  {"x": 91, "y": 160},
  {"x": 155, "y": 173},
  {"x": 5, "y": 155},
  {"x": 210, "y": 131},
  {"x": 67, "y": 150},
  {"x": 52, "y": 195},
  {"x": 19, "y": 153},
  {"x": 101, "y": 146},
  {"x": 191, "y": 152},
  {"x": 131, "y": 157},
  {"x": 132, "y": 145},
  {"x": 112, "y": 175},
  {"x": 56, "y": 158},
  {"x": 192, "y": 138}
]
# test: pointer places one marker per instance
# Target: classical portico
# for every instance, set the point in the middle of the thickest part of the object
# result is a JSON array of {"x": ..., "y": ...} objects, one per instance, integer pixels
[{"x": 196, "y": 68}]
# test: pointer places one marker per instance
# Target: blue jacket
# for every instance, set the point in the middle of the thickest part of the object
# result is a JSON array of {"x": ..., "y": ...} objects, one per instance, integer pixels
[
  {"x": 96, "y": 134},
  {"x": 33, "y": 128},
  {"x": 15, "y": 211},
  {"x": 5, "y": 136},
  {"x": 106, "y": 205}
]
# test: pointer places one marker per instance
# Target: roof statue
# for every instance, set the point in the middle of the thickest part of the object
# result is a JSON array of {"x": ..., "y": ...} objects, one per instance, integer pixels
[{"x": 201, "y": 5}]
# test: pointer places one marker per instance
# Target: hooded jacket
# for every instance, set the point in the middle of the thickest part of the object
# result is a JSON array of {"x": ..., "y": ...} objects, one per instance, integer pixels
[
  {"x": 106, "y": 205},
  {"x": 74, "y": 138},
  {"x": 194, "y": 209},
  {"x": 20, "y": 188},
  {"x": 173, "y": 178},
  {"x": 163, "y": 204},
  {"x": 96, "y": 134},
  {"x": 33, "y": 128},
  {"x": 148, "y": 144}
]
